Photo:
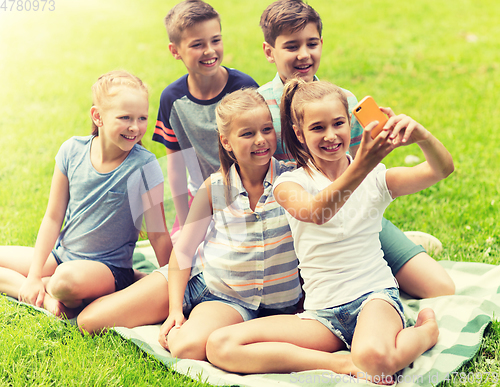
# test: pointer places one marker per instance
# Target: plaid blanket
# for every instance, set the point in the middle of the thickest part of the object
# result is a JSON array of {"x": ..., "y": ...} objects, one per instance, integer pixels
[{"x": 462, "y": 319}]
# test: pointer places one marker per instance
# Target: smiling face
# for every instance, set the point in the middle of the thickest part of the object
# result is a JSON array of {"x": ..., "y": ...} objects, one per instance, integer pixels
[
  {"x": 325, "y": 129},
  {"x": 200, "y": 48},
  {"x": 123, "y": 118},
  {"x": 297, "y": 53},
  {"x": 252, "y": 138}
]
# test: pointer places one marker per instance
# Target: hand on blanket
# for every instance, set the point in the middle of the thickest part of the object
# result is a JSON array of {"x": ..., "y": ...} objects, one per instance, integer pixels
[
  {"x": 174, "y": 321},
  {"x": 32, "y": 292}
]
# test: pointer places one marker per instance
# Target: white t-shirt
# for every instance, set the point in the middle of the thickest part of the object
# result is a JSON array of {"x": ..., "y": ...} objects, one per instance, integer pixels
[{"x": 342, "y": 259}]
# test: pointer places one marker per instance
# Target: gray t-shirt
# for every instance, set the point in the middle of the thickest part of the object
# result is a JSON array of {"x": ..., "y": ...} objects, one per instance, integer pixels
[{"x": 104, "y": 212}]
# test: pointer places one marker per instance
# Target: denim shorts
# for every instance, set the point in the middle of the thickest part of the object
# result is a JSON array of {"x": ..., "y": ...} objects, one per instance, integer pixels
[
  {"x": 341, "y": 320},
  {"x": 198, "y": 292},
  {"x": 123, "y": 277}
]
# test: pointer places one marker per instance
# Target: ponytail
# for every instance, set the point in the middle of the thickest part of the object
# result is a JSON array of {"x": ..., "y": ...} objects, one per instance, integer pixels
[{"x": 289, "y": 119}]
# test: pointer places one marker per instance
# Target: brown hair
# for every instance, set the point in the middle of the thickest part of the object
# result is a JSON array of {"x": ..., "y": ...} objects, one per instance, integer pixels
[
  {"x": 229, "y": 108},
  {"x": 287, "y": 16},
  {"x": 296, "y": 94},
  {"x": 105, "y": 87},
  {"x": 186, "y": 14}
]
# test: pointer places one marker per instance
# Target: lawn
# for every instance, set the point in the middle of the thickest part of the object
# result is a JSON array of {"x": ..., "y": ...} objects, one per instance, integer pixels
[{"x": 437, "y": 61}]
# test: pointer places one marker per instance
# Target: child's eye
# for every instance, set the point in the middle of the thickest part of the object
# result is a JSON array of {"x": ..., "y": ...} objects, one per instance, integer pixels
[
  {"x": 268, "y": 129},
  {"x": 124, "y": 118},
  {"x": 317, "y": 127},
  {"x": 216, "y": 41},
  {"x": 291, "y": 48},
  {"x": 143, "y": 118},
  {"x": 339, "y": 123}
]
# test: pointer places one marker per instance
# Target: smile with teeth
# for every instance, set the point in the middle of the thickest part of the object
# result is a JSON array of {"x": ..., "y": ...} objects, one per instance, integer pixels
[
  {"x": 260, "y": 151},
  {"x": 129, "y": 137},
  {"x": 303, "y": 67},
  {"x": 332, "y": 147},
  {"x": 209, "y": 62}
]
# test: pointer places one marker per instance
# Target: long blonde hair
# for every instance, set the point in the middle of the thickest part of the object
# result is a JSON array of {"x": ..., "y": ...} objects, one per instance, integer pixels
[
  {"x": 229, "y": 108},
  {"x": 296, "y": 94},
  {"x": 105, "y": 88}
]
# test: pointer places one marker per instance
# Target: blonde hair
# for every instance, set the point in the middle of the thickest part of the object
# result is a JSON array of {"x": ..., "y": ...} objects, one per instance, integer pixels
[
  {"x": 296, "y": 94},
  {"x": 185, "y": 15},
  {"x": 287, "y": 16},
  {"x": 229, "y": 108},
  {"x": 106, "y": 87}
]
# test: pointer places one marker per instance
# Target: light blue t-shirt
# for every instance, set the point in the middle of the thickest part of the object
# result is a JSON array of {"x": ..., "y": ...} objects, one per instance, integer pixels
[{"x": 104, "y": 212}]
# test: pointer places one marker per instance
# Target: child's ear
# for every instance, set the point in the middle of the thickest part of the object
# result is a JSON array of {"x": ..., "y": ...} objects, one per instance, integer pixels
[
  {"x": 225, "y": 143},
  {"x": 96, "y": 116},
  {"x": 174, "y": 50},
  {"x": 268, "y": 52},
  {"x": 299, "y": 134}
]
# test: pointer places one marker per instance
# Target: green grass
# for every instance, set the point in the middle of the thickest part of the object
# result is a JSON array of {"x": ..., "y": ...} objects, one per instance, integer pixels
[{"x": 436, "y": 61}]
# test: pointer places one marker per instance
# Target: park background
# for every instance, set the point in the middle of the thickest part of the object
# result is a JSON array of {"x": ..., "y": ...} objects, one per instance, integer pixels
[{"x": 437, "y": 61}]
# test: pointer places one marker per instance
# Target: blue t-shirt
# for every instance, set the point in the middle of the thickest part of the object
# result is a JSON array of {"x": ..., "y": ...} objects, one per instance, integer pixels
[
  {"x": 188, "y": 124},
  {"x": 104, "y": 212}
]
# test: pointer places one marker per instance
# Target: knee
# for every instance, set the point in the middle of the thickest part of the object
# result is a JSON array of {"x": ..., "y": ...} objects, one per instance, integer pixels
[
  {"x": 444, "y": 287},
  {"x": 62, "y": 283},
  {"x": 187, "y": 346},
  {"x": 220, "y": 348},
  {"x": 87, "y": 321},
  {"x": 375, "y": 361}
]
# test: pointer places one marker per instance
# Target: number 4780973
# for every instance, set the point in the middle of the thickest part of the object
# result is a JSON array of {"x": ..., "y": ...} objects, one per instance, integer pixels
[{"x": 28, "y": 5}]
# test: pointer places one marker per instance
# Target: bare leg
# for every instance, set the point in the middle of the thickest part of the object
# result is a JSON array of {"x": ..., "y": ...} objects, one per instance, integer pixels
[
  {"x": 76, "y": 281},
  {"x": 423, "y": 277},
  {"x": 15, "y": 262},
  {"x": 283, "y": 343},
  {"x": 189, "y": 340},
  {"x": 381, "y": 347},
  {"x": 142, "y": 303}
]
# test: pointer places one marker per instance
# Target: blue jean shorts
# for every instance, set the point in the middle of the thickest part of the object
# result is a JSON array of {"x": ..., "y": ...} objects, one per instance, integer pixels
[
  {"x": 123, "y": 277},
  {"x": 341, "y": 320},
  {"x": 198, "y": 292}
]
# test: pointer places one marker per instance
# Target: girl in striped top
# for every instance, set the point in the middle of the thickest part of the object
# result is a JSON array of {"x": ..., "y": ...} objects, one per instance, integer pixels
[{"x": 235, "y": 258}]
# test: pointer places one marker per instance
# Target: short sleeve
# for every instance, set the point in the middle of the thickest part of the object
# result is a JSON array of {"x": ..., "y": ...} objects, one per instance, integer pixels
[{"x": 62, "y": 157}]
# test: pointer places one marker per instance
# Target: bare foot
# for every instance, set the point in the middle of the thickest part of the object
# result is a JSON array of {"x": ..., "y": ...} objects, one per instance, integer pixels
[
  {"x": 427, "y": 319},
  {"x": 344, "y": 365},
  {"x": 57, "y": 308}
]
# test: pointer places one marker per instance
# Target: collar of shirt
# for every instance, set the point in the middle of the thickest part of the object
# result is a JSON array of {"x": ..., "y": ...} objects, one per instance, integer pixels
[
  {"x": 321, "y": 180},
  {"x": 268, "y": 179}
]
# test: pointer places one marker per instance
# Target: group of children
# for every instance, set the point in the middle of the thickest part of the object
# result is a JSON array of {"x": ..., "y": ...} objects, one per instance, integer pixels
[{"x": 254, "y": 211}]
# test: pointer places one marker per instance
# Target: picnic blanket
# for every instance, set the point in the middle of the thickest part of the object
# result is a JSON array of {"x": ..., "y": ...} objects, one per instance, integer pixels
[{"x": 462, "y": 320}]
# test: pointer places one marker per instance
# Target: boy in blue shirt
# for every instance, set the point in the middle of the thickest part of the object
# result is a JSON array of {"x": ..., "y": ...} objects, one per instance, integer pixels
[
  {"x": 186, "y": 117},
  {"x": 293, "y": 42}
]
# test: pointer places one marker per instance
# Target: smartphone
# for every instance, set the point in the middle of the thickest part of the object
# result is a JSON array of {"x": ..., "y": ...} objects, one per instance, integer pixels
[{"x": 367, "y": 111}]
